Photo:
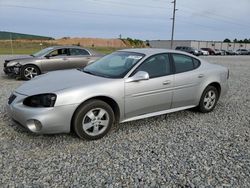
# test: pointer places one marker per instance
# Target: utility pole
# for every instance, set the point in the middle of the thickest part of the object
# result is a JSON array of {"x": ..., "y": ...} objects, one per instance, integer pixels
[
  {"x": 11, "y": 44},
  {"x": 173, "y": 18}
]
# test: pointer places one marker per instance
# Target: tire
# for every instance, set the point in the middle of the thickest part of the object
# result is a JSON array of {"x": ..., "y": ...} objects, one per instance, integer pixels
[
  {"x": 93, "y": 120},
  {"x": 208, "y": 99},
  {"x": 29, "y": 71}
]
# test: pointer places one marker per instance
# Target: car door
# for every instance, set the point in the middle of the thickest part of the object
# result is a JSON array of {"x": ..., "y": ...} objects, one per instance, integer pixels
[
  {"x": 154, "y": 94},
  {"x": 78, "y": 58},
  {"x": 187, "y": 80},
  {"x": 55, "y": 60}
]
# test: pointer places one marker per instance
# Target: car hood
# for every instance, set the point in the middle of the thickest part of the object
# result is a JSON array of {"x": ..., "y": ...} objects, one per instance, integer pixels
[
  {"x": 20, "y": 59},
  {"x": 59, "y": 80}
]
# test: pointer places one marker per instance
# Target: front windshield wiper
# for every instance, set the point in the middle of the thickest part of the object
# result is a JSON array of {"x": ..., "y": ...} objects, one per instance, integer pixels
[
  {"x": 32, "y": 55},
  {"x": 85, "y": 71},
  {"x": 95, "y": 74}
]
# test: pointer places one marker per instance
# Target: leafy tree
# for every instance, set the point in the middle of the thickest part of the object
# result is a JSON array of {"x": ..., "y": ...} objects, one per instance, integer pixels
[
  {"x": 227, "y": 40},
  {"x": 246, "y": 41}
]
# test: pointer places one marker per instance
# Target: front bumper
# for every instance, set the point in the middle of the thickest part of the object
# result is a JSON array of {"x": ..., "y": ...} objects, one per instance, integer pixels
[
  {"x": 12, "y": 70},
  {"x": 51, "y": 120}
]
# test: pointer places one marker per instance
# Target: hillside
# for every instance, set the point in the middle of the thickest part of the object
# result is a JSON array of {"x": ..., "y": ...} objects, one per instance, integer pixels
[{"x": 4, "y": 35}]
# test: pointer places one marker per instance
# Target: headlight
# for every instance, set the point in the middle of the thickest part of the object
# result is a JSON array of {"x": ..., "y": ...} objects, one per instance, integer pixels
[
  {"x": 11, "y": 64},
  {"x": 42, "y": 100}
]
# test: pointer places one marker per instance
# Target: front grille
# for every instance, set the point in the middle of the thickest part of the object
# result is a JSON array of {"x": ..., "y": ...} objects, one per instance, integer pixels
[{"x": 11, "y": 98}]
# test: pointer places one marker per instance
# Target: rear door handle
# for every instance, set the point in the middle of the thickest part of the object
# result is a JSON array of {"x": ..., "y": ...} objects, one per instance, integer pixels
[
  {"x": 167, "y": 82},
  {"x": 201, "y": 76}
]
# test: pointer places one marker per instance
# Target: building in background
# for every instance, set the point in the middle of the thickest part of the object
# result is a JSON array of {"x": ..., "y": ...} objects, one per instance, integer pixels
[{"x": 198, "y": 44}]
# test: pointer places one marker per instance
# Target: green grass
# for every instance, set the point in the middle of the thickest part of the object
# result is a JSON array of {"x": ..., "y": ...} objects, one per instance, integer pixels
[
  {"x": 21, "y": 47},
  {"x": 32, "y": 47},
  {"x": 105, "y": 50}
]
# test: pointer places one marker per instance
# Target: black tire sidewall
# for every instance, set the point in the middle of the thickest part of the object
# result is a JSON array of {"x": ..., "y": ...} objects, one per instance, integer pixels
[
  {"x": 201, "y": 104},
  {"x": 24, "y": 67},
  {"x": 81, "y": 112}
]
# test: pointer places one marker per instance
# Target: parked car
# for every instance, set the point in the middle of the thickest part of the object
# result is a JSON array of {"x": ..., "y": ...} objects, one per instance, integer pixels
[
  {"x": 126, "y": 85},
  {"x": 210, "y": 51},
  {"x": 219, "y": 52},
  {"x": 223, "y": 52},
  {"x": 204, "y": 52},
  {"x": 50, "y": 59},
  {"x": 242, "y": 52},
  {"x": 231, "y": 52},
  {"x": 189, "y": 50}
]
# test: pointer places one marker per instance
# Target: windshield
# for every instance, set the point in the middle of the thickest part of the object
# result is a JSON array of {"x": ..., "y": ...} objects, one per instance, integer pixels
[
  {"x": 115, "y": 65},
  {"x": 42, "y": 52}
]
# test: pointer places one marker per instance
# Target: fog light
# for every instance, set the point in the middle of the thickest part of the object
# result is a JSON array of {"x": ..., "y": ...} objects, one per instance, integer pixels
[{"x": 34, "y": 125}]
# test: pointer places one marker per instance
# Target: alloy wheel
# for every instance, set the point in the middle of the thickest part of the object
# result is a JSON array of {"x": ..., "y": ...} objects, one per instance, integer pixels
[
  {"x": 209, "y": 100},
  {"x": 95, "y": 121},
  {"x": 30, "y": 72}
]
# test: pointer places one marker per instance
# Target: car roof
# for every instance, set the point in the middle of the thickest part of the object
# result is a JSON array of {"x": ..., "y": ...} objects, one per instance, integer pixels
[
  {"x": 151, "y": 51},
  {"x": 57, "y": 47},
  {"x": 93, "y": 52}
]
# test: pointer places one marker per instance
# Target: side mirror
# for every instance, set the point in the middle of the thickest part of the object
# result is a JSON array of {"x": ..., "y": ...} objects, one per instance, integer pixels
[
  {"x": 139, "y": 76},
  {"x": 47, "y": 56}
]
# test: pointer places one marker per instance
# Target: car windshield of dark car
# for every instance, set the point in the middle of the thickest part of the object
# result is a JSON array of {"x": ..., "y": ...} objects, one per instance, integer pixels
[
  {"x": 115, "y": 65},
  {"x": 42, "y": 52}
]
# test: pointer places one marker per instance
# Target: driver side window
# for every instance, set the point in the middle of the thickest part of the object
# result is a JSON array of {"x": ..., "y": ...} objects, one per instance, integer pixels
[
  {"x": 156, "y": 66},
  {"x": 59, "y": 52}
]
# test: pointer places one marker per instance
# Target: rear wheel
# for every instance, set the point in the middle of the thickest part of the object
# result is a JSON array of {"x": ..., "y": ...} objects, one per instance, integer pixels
[
  {"x": 93, "y": 120},
  {"x": 208, "y": 99},
  {"x": 29, "y": 71}
]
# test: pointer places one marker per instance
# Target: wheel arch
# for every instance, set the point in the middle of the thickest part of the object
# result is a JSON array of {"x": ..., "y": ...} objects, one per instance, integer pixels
[
  {"x": 111, "y": 102},
  {"x": 217, "y": 86}
]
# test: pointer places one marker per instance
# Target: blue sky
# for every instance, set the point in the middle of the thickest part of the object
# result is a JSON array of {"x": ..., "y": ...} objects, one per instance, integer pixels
[{"x": 142, "y": 19}]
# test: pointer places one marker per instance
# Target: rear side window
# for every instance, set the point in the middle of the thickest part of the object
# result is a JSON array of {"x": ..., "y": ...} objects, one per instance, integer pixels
[
  {"x": 75, "y": 51},
  {"x": 196, "y": 63},
  {"x": 184, "y": 63}
]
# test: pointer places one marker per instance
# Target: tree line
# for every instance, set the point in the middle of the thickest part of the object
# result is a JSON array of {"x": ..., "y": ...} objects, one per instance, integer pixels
[{"x": 237, "y": 41}]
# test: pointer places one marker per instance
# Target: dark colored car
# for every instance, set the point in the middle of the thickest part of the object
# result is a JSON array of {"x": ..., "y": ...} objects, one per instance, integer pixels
[
  {"x": 50, "y": 59},
  {"x": 189, "y": 50},
  {"x": 210, "y": 50},
  {"x": 230, "y": 52}
]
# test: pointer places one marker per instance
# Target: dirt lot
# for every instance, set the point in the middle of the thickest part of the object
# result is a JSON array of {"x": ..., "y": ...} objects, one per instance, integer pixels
[{"x": 183, "y": 149}]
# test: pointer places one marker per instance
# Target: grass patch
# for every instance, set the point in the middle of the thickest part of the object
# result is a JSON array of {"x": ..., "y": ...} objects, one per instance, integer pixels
[{"x": 29, "y": 47}]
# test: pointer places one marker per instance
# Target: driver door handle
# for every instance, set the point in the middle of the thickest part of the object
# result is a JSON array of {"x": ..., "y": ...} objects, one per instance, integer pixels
[
  {"x": 201, "y": 76},
  {"x": 166, "y": 82}
]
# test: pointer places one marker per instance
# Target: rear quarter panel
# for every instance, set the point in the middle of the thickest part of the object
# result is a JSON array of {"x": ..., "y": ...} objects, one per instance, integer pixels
[{"x": 212, "y": 74}]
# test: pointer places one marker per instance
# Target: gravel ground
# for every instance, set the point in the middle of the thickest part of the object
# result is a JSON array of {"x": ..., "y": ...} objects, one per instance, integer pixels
[{"x": 183, "y": 149}]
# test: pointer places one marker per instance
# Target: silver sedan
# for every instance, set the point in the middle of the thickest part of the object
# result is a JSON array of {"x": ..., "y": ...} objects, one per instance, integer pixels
[
  {"x": 124, "y": 86},
  {"x": 50, "y": 59}
]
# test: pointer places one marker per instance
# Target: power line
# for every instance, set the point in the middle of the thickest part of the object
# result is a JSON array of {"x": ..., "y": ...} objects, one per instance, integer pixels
[
  {"x": 83, "y": 12},
  {"x": 125, "y": 4},
  {"x": 215, "y": 17}
]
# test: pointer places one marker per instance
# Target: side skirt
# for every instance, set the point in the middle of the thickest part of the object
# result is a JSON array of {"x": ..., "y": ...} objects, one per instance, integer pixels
[{"x": 157, "y": 113}]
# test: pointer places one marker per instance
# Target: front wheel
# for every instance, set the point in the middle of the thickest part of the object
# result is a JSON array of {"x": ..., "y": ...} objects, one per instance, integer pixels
[
  {"x": 208, "y": 99},
  {"x": 93, "y": 120},
  {"x": 29, "y": 71}
]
